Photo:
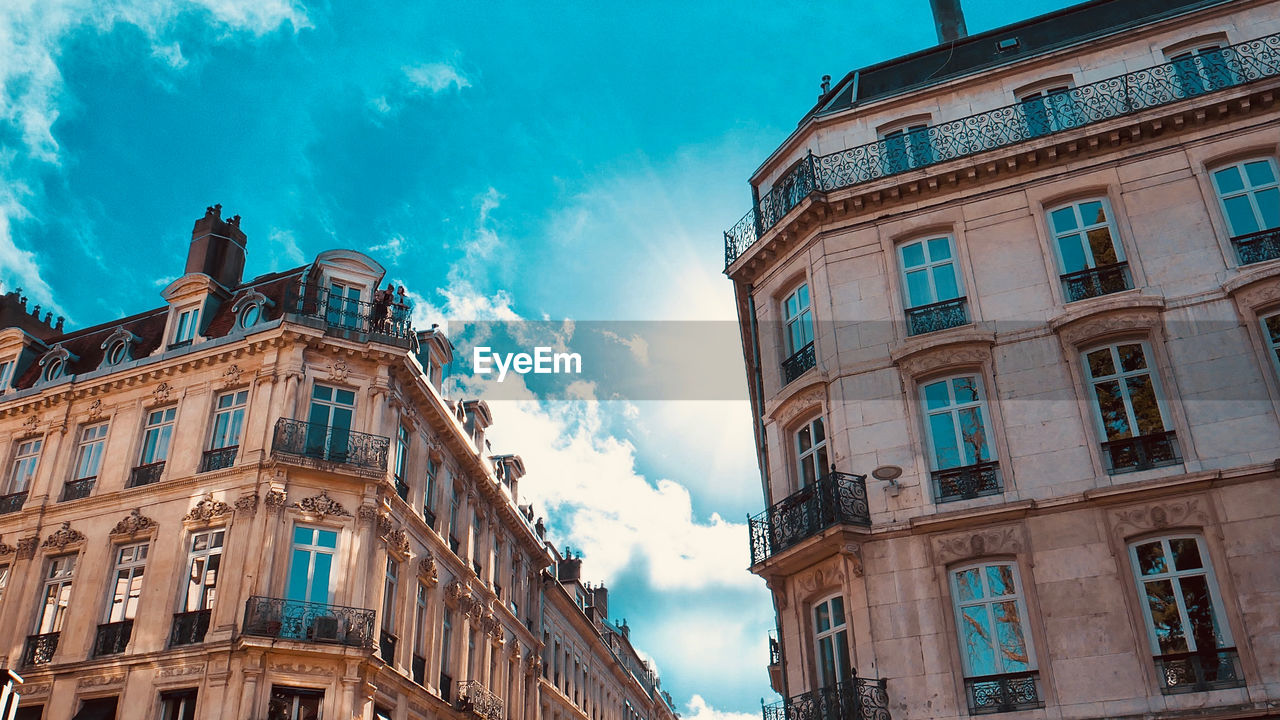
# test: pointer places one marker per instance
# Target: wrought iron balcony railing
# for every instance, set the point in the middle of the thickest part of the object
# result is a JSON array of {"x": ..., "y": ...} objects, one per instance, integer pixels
[
  {"x": 39, "y": 649},
  {"x": 1199, "y": 671},
  {"x": 402, "y": 489},
  {"x": 1096, "y": 282},
  {"x": 836, "y": 498},
  {"x": 387, "y": 647},
  {"x": 112, "y": 638},
  {"x": 418, "y": 669},
  {"x": 189, "y": 628},
  {"x": 937, "y": 316},
  {"x": 1003, "y": 693},
  {"x": 386, "y": 319},
  {"x": 218, "y": 458},
  {"x": 429, "y": 516},
  {"x": 78, "y": 489},
  {"x": 13, "y": 502},
  {"x": 308, "y": 622},
  {"x": 146, "y": 474},
  {"x": 1141, "y": 453},
  {"x": 854, "y": 698},
  {"x": 316, "y": 441},
  {"x": 966, "y": 483},
  {"x": 475, "y": 698},
  {"x": 1077, "y": 107},
  {"x": 796, "y": 365},
  {"x": 1257, "y": 247}
]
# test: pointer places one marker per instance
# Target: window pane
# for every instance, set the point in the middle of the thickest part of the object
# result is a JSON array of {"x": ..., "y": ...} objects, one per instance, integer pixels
[
  {"x": 966, "y": 389},
  {"x": 1111, "y": 407},
  {"x": 1100, "y": 363},
  {"x": 320, "y": 579},
  {"x": 977, "y": 641},
  {"x": 828, "y": 661},
  {"x": 968, "y": 585},
  {"x": 918, "y": 292},
  {"x": 943, "y": 433},
  {"x": 1013, "y": 646},
  {"x": 1145, "y": 408},
  {"x": 819, "y": 431},
  {"x": 1164, "y": 616},
  {"x": 303, "y": 535},
  {"x": 802, "y": 294},
  {"x": 837, "y": 611},
  {"x": 1240, "y": 215},
  {"x": 1259, "y": 173},
  {"x": 1063, "y": 219},
  {"x": 1131, "y": 358},
  {"x": 1151, "y": 558},
  {"x": 807, "y": 475},
  {"x": 1092, "y": 212},
  {"x": 1204, "y": 626},
  {"x": 1104, "y": 250},
  {"x": 974, "y": 436},
  {"x": 299, "y": 566},
  {"x": 804, "y": 439},
  {"x": 939, "y": 249},
  {"x": 913, "y": 255},
  {"x": 1186, "y": 553},
  {"x": 822, "y": 617},
  {"x": 935, "y": 395},
  {"x": 1000, "y": 580},
  {"x": 1073, "y": 258},
  {"x": 944, "y": 282},
  {"x": 790, "y": 306},
  {"x": 1269, "y": 206},
  {"x": 1272, "y": 325},
  {"x": 1228, "y": 180}
]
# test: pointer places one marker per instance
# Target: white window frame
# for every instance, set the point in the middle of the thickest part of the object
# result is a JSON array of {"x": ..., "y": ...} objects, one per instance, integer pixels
[
  {"x": 987, "y": 601},
  {"x": 391, "y": 584},
  {"x": 1248, "y": 190},
  {"x": 817, "y": 451},
  {"x": 159, "y": 425},
  {"x": 1174, "y": 576},
  {"x": 25, "y": 465},
  {"x": 228, "y": 419},
  {"x": 954, "y": 408},
  {"x": 186, "y": 321},
  {"x": 59, "y": 577},
  {"x": 928, "y": 268},
  {"x": 130, "y": 567},
  {"x": 199, "y": 593},
  {"x": 801, "y": 319},
  {"x": 89, "y": 451},
  {"x": 1120, "y": 376},
  {"x": 838, "y": 637},
  {"x": 1082, "y": 229}
]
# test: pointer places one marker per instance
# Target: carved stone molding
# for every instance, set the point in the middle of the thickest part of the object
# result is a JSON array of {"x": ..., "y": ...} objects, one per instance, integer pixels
[
  {"x": 322, "y": 505},
  {"x": 231, "y": 377},
  {"x": 339, "y": 369},
  {"x": 6, "y": 549},
  {"x": 133, "y": 524},
  {"x": 397, "y": 542},
  {"x": 988, "y": 541},
  {"x": 427, "y": 567},
  {"x": 62, "y": 537},
  {"x": 27, "y": 547},
  {"x": 36, "y": 690},
  {"x": 970, "y": 348},
  {"x": 247, "y": 504},
  {"x": 1107, "y": 317},
  {"x": 384, "y": 525},
  {"x": 95, "y": 410},
  {"x": 30, "y": 424},
  {"x": 853, "y": 556},
  {"x": 94, "y": 681},
  {"x": 820, "y": 578},
  {"x": 177, "y": 671},
  {"x": 803, "y": 401},
  {"x": 302, "y": 669},
  {"x": 1180, "y": 512},
  {"x": 368, "y": 513},
  {"x": 207, "y": 510},
  {"x": 275, "y": 500},
  {"x": 1255, "y": 288},
  {"x": 163, "y": 393},
  {"x": 455, "y": 591},
  {"x": 533, "y": 663}
]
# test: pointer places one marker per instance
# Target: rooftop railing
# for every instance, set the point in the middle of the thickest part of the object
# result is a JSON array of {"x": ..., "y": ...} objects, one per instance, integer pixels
[
  {"x": 1074, "y": 108},
  {"x": 386, "y": 318},
  {"x": 836, "y": 498}
]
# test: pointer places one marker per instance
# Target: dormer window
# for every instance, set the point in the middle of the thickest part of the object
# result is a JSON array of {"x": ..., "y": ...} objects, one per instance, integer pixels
[
  {"x": 54, "y": 363},
  {"x": 250, "y": 309},
  {"x": 250, "y": 316},
  {"x": 53, "y": 370},
  {"x": 118, "y": 347},
  {"x": 184, "y": 330}
]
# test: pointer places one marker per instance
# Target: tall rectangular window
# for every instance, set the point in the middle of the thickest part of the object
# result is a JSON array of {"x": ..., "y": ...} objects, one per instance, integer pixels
[
  {"x": 811, "y": 451},
  {"x": 204, "y": 560},
  {"x": 156, "y": 435},
  {"x": 57, "y": 594},
  {"x": 446, "y": 654},
  {"x": 429, "y": 493},
  {"x": 391, "y": 586},
  {"x": 1249, "y": 195},
  {"x": 1271, "y": 334},
  {"x": 962, "y": 455},
  {"x": 931, "y": 284},
  {"x": 419, "y": 667},
  {"x": 184, "y": 330},
  {"x": 1183, "y": 615},
  {"x": 453, "y": 520},
  {"x": 402, "y": 462},
  {"x": 26, "y": 460},
  {"x": 1089, "y": 252},
  {"x": 798, "y": 330},
  {"x": 178, "y": 705},
  {"x": 6, "y": 374},
  {"x": 228, "y": 419},
  {"x": 1128, "y": 408},
  {"x": 122, "y": 600},
  {"x": 311, "y": 564},
  {"x": 4, "y": 580},
  {"x": 831, "y": 640},
  {"x": 93, "y": 438},
  {"x": 329, "y": 422},
  {"x": 995, "y": 642}
]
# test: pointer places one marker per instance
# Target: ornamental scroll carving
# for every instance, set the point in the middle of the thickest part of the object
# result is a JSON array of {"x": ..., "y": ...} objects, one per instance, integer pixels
[
  {"x": 95, "y": 410},
  {"x": 397, "y": 541},
  {"x": 162, "y": 393},
  {"x": 322, "y": 505},
  {"x": 1125, "y": 314},
  {"x": 247, "y": 503},
  {"x": 207, "y": 510},
  {"x": 991, "y": 541},
  {"x": 427, "y": 567},
  {"x": 802, "y": 401},
  {"x": 231, "y": 377},
  {"x": 275, "y": 500},
  {"x": 133, "y": 524},
  {"x": 926, "y": 360},
  {"x": 1158, "y": 516},
  {"x": 62, "y": 537},
  {"x": 27, "y": 547},
  {"x": 339, "y": 369}
]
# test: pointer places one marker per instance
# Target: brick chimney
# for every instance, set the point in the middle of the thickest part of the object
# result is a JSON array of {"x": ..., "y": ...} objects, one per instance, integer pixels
[
  {"x": 217, "y": 248},
  {"x": 948, "y": 20}
]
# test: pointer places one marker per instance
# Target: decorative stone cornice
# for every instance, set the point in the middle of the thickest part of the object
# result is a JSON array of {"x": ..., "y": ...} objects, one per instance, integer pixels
[
  {"x": 953, "y": 547},
  {"x": 247, "y": 504},
  {"x": 132, "y": 524},
  {"x": 63, "y": 537},
  {"x": 207, "y": 510},
  {"x": 1181, "y": 512},
  {"x": 321, "y": 505},
  {"x": 1108, "y": 316},
  {"x": 918, "y": 358},
  {"x": 275, "y": 500}
]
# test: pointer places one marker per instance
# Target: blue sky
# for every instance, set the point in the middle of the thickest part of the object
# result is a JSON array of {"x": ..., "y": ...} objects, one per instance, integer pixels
[{"x": 564, "y": 161}]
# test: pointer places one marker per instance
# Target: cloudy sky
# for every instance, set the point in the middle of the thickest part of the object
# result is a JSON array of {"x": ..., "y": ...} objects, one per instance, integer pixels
[{"x": 569, "y": 162}]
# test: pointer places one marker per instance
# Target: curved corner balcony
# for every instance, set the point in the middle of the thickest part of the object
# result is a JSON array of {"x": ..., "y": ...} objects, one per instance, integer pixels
[
  {"x": 835, "y": 499},
  {"x": 853, "y": 698},
  {"x": 386, "y": 319},
  {"x": 316, "y": 444},
  {"x": 1077, "y": 107}
]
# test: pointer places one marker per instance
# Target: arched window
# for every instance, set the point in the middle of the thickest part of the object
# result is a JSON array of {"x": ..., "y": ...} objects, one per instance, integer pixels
[
  {"x": 1136, "y": 429},
  {"x": 995, "y": 639},
  {"x": 1249, "y": 196},
  {"x": 1090, "y": 254},
  {"x": 961, "y": 449}
]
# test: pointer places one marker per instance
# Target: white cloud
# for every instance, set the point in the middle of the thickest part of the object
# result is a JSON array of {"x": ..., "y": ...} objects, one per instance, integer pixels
[
  {"x": 435, "y": 77},
  {"x": 698, "y": 709},
  {"x": 638, "y": 346},
  {"x": 393, "y": 248},
  {"x": 286, "y": 245}
]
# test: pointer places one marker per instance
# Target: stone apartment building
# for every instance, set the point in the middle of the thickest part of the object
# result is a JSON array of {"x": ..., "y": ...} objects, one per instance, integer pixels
[
  {"x": 1010, "y": 308},
  {"x": 255, "y": 502}
]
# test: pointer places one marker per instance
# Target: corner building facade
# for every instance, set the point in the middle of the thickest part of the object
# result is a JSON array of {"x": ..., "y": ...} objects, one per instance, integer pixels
[
  {"x": 255, "y": 502},
  {"x": 1010, "y": 308}
]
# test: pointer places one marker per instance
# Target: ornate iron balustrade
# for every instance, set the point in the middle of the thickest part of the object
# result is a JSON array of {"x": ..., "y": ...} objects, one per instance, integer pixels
[
  {"x": 1141, "y": 453},
  {"x": 39, "y": 649},
  {"x": 13, "y": 502},
  {"x": 1199, "y": 671},
  {"x": 475, "y": 698},
  {"x": 1257, "y": 247},
  {"x": 1077, "y": 107},
  {"x": 78, "y": 489},
  {"x": 854, "y": 698},
  {"x": 316, "y": 441},
  {"x": 1096, "y": 282},
  {"x": 308, "y": 622},
  {"x": 218, "y": 458},
  {"x": 966, "y": 483},
  {"x": 112, "y": 638},
  {"x": 189, "y": 628},
  {"x": 146, "y": 474},
  {"x": 418, "y": 669},
  {"x": 796, "y": 365},
  {"x": 937, "y": 316},
  {"x": 836, "y": 498},
  {"x": 1003, "y": 693},
  {"x": 387, "y": 318},
  {"x": 387, "y": 647}
]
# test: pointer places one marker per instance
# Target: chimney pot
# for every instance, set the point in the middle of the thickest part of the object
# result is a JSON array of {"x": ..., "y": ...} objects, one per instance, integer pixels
[{"x": 217, "y": 248}]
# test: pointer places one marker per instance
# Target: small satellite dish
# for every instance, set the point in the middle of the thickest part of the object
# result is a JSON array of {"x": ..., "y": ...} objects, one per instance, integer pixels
[{"x": 887, "y": 472}]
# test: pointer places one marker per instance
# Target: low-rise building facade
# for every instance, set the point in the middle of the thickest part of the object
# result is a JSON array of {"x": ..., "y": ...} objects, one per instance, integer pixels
[{"x": 1010, "y": 308}]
